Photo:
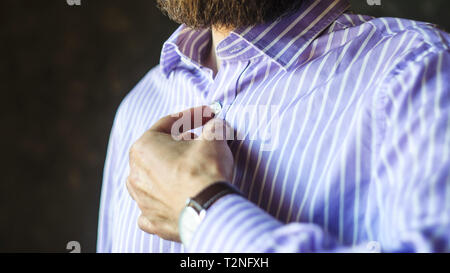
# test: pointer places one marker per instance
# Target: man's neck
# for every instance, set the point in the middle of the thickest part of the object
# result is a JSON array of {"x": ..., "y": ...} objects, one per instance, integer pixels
[{"x": 212, "y": 62}]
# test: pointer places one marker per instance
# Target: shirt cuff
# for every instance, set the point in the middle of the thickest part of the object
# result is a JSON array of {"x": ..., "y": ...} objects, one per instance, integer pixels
[{"x": 233, "y": 224}]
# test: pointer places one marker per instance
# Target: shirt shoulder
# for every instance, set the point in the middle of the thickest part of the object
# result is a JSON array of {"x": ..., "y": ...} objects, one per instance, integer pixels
[
  {"x": 403, "y": 45},
  {"x": 411, "y": 61},
  {"x": 415, "y": 33}
]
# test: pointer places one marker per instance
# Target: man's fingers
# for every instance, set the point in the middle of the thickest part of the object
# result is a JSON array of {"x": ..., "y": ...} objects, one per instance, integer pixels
[
  {"x": 188, "y": 136},
  {"x": 184, "y": 121},
  {"x": 145, "y": 225},
  {"x": 130, "y": 189},
  {"x": 217, "y": 129}
]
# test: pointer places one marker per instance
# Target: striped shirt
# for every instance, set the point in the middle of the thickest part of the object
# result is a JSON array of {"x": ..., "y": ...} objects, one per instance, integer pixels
[{"x": 345, "y": 125}]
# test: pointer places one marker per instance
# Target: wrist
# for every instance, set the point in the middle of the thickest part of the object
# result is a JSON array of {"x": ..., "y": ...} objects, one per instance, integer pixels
[
  {"x": 196, "y": 207},
  {"x": 205, "y": 182}
]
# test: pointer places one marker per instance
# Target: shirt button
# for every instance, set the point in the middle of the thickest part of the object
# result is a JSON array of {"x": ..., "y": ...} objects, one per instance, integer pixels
[{"x": 216, "y": 107}]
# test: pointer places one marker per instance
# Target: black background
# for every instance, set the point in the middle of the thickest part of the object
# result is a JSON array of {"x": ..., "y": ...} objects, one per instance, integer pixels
[{"x": 63, "y": 72}]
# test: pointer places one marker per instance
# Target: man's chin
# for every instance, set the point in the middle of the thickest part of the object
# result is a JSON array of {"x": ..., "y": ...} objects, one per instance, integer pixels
[{"x": 228, "y": 14}]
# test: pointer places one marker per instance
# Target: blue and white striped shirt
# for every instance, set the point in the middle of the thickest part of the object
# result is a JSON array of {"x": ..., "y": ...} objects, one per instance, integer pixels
[{"x": 354, "y": 152}]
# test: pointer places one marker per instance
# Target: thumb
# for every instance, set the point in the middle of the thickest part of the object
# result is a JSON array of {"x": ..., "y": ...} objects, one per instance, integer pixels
[
  {"x": 217, "y": 130},
  {"x": 183, "y": 121}
]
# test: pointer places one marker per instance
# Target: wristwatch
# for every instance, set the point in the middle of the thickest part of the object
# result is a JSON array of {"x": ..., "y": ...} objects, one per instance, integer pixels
[{"x": 195, "y": 210}]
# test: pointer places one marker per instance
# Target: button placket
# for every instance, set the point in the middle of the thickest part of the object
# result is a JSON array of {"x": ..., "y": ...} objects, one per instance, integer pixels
[{"x": 226, "y": 98}]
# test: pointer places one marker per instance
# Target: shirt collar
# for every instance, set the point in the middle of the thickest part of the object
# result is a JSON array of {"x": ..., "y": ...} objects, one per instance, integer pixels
[
  {"x": 187, "y": 44},
  {"x": 283, "y": 40}
]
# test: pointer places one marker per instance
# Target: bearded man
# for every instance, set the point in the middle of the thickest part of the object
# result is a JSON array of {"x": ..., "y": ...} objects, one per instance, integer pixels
[{"x": 345, "y": 125}]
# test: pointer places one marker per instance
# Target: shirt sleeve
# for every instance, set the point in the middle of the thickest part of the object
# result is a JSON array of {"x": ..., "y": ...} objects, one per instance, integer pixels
[{"x": 412, "y": 176}]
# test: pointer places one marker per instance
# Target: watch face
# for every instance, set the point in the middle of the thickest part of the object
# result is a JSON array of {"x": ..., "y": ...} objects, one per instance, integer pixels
[{"x": 189, "y": 221}]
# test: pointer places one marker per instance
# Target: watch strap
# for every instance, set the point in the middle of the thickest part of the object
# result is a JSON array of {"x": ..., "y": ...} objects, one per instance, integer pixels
[{"x": 214, "y": 192}]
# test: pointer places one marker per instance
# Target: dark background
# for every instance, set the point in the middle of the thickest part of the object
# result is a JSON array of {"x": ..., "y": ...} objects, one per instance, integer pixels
[{"x": 63, "y": 72}]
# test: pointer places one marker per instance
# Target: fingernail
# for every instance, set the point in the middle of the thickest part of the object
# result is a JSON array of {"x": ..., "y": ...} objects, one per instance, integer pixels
[{"x": 216, "y": 107}]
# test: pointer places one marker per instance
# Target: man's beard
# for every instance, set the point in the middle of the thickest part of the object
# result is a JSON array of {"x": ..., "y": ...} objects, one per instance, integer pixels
[{"x": 226, "y": 13}]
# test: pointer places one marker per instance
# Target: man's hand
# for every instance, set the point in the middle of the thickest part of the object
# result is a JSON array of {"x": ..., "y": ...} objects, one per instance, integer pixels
[{"x": 166, "y": 170}]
